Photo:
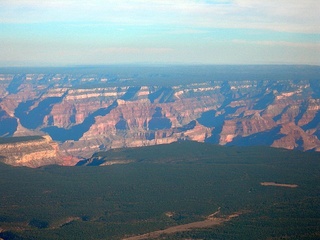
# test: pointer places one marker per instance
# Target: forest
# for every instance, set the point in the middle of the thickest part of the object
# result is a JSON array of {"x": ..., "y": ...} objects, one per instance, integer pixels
[{"x": 189, "y": 180}]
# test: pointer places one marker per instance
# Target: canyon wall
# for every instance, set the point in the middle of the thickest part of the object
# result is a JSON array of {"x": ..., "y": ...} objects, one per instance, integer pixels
[
  {"x": 33, "y": 151},
  {"x": 88, "y": 114}
]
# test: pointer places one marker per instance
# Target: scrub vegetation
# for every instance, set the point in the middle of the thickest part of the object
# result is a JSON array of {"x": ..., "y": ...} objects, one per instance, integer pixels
[{"x": 165, "y": 186}]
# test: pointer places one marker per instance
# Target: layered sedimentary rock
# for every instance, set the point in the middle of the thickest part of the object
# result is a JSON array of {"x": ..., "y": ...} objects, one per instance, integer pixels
[
  {"x": 30, "y": 151},
  {"x": 87, "y": 118}
]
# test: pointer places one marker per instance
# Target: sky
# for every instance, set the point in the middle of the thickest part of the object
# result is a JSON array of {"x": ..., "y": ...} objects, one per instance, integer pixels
[{"x": 78, "y": 32}]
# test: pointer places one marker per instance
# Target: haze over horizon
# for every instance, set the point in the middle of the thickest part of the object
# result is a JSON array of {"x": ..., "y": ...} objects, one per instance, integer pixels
[{"x": 69, "y": 32}]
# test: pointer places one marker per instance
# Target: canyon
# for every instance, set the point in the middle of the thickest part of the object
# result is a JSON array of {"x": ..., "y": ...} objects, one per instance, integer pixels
[{"x": 90, "y": 110}]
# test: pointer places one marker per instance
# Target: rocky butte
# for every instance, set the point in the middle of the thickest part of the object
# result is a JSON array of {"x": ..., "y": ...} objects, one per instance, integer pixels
[
  {"x": 88, "y": 110},
  {"x": 33, "y": 151}
]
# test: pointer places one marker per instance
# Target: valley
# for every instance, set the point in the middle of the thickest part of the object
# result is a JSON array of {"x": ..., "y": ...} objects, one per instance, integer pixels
[
  {"x": 154, "y": 151},
  {"x": 86, "y": 110},
  {"x": 159, "y": 120}
]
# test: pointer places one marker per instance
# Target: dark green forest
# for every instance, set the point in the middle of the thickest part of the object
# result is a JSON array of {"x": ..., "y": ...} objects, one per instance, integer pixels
[{"x": 191, "y": 179}]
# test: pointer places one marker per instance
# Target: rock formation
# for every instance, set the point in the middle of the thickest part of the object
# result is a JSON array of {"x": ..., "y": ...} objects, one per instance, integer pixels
[
  {"x": 87, "y": 114},
  {"x": 33, "y": 151}
]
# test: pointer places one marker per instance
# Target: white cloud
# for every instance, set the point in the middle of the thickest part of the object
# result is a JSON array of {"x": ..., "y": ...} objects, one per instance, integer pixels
[
  {"x": 278, "y": 15},
  {"x": 282, "y": 15},
  {"x": 307, "y": 45},
  {"x": 133, "y": 50}
]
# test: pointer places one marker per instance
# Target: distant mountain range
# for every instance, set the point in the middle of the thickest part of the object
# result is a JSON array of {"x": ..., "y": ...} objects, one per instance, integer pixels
[{"x": 91, "y": 109}]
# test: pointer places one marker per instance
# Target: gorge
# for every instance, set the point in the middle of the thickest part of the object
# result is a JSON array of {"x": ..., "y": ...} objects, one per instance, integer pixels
[{"x": 85, "y": 110}]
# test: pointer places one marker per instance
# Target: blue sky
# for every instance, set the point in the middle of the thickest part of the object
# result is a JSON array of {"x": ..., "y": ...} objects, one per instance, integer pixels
[{"x": 77, "y": 32}]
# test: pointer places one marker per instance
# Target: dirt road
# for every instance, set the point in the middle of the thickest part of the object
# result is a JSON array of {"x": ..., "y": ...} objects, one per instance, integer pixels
[
  {"x": 209, "y": 222},
  {"x": 279, "y": 184}
]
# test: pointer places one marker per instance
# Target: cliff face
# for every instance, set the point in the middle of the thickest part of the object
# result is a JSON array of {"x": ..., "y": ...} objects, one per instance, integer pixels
[
  {"x": 30, "y": 151},
  {"x": 86, "y": 119}
]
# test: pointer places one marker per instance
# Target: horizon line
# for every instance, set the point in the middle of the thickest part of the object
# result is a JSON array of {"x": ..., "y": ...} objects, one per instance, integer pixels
[{"x": 158, "y": 65}]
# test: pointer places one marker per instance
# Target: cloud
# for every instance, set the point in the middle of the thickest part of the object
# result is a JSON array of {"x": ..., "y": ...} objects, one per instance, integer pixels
[
  {"x": 307, "y": 45},
  {"x": 133, "y": 50},
  {"x": 277, "y": 15},
  {"x": 282, "y": 15}
]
